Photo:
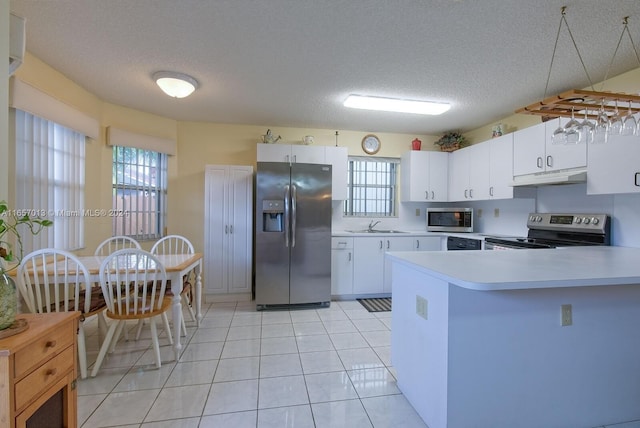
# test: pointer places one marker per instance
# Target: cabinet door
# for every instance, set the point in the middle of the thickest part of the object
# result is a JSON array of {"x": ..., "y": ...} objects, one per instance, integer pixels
[
  {"x": 341, "y": 266},
  {"x": 478, "y": 161},
  {"x": 338, "y": 159},
  {"x": 459, "y": 175},
  {"x": 404, "y": 243},
  {"x": 414, "y": 176},
  {"x": 307, "y": 154},
  {"x": 614, "y": 167},
  {"x": 368, "y": 265},
  {"x": 562, "y": 156},
  {"x": 501, "y": 167},
  {"x": 438, "y": 176},
  {"x": 239, "y": 218},
  {"x": 529, "y": 150},
  {"x": 214, "y": 222},
  {"x": 274, "y": 153},
  {"x": 427, "y": 243}
]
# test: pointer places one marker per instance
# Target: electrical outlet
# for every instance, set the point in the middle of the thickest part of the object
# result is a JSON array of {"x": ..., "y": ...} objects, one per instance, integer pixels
[
  {"x": 567, "y": 316},
  {"x": 417, "y": 212},
  {"x": 479, "y": 212},
  {"x": 496, "y": 212},
  {"x": 421, "y": 307}
]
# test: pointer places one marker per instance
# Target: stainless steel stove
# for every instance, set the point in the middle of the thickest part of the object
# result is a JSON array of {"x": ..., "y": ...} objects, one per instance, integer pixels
[{"x": 553, "y": 230}]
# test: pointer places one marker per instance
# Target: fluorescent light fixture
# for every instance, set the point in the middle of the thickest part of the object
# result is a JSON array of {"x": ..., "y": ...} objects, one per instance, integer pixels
[
  {"x": 396, "y": 105},
  {"x": 175, "y": 85}
]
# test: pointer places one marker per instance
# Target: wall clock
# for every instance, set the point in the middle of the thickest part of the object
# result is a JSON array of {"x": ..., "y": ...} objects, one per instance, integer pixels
[{"x": 370, "y": 144}]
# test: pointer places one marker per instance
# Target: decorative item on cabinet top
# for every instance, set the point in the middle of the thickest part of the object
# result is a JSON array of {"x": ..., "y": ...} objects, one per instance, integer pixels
[
  {"x": 416, "y": 144},
  {"x": 269, "y": 138},
  {"x": 451, "y": 141}
]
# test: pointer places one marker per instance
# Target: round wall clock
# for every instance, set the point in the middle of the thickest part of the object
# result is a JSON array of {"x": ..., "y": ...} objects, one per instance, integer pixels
[{"x": 370, "y": 144}]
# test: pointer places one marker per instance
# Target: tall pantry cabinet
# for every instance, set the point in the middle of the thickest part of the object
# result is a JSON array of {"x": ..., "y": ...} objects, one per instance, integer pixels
[{"x": 228, "y": 231}]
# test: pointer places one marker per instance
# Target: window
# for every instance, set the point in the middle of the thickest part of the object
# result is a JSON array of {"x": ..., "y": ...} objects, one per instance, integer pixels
[
  {"x": 139, "y": 192},
  {"x": 371, "y": 187},
  {"x": 50, "y": 165}
]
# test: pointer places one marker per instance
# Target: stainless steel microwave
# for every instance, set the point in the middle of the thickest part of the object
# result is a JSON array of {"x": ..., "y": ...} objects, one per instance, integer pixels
[{"x": 450, "y": 219}]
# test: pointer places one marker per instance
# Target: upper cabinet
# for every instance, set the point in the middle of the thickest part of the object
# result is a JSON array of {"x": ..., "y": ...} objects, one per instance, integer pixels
[
  {"x": 614, "y": 167},
  {"x": 501, "y": 167},
  {"x": 297, "y": 153},
  {"x": 424, "y": 176},
  {"x": 534, "y": 152}
]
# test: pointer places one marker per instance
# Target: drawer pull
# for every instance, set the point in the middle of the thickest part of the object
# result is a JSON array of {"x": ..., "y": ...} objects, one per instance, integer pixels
[
  {"x": 51, "y": 372},
  {"x": 50, "y": 344}
]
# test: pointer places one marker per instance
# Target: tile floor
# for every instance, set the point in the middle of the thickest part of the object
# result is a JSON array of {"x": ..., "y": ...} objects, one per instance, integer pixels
[{"x": 241, "y": 368}]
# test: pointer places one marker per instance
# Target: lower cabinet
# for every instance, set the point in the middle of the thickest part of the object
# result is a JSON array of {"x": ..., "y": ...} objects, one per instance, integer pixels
[{"x": 341, "y": 266}]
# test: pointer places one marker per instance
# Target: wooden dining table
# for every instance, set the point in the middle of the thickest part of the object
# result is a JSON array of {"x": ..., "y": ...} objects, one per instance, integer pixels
[{"x": 176, "y": 266}]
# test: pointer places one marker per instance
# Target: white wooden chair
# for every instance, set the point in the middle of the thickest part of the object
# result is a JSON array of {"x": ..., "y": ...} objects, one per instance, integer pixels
[
  {"x": 139, "y": 293},
  {"x": 116, "y": 243},
  {"x": 177, "y": 244},
  {"x": 51, "y": 280}
]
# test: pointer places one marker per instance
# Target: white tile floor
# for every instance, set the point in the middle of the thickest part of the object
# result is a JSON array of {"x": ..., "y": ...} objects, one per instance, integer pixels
[{"x": 241, "y": 368}]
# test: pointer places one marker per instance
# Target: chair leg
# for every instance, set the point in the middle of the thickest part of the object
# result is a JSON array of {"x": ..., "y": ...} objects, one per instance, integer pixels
[
  {"x": 167, "y": 328},
  {"x": 102, "y": 326},
  {"x": 139, "y": 328},
  {"x": 82, "y": 351},
  {"x": 154, "y": 340},
  {"x": 121, "y": 325},
  {"x": 105, "y": 345}
]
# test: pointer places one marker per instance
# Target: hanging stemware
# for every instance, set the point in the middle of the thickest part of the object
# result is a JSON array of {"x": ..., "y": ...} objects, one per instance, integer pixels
[
  {"x": 571, "y": 135},
  {"x": 602, "y": 125},
  {"x": 629, "y": 123},
  {"x": 586, "y": 130},
  {"x": 615, "y": 122},
  {"x": 558, "y": 136}
]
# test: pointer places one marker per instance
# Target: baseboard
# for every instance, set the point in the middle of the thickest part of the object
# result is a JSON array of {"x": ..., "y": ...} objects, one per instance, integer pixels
[{"x": 226, "y": 298}]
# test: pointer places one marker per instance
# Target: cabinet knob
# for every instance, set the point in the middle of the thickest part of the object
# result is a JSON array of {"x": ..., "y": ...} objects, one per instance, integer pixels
[
  {"x": 51, "y": 372},
  {"x": 50, "y": 344},
  {"x": 539, "y": 162},
  {"x": 549, "y": 161},
  {"x": 635, "y": 179}
]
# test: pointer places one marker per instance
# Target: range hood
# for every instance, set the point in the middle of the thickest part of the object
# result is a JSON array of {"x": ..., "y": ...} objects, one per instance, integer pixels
[{"x": 566, "y": 176}]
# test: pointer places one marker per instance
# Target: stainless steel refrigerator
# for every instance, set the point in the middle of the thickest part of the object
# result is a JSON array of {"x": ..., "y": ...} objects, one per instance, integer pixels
[{"x": 293, "y": 235}]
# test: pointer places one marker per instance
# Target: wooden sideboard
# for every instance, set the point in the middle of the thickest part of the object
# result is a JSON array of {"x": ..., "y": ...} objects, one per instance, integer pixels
[{"x": 38, "y": 371}]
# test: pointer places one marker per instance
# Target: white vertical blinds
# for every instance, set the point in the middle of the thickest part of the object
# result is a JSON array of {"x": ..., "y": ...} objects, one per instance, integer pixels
[{"x": 50, "y": 181}]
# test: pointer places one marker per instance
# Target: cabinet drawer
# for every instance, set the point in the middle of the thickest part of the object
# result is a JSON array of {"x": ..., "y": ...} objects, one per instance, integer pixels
[
  {"x": 43, "y": 348},
  {"x": 44, "y": 376},
  {"x": 341, "y": 243}
]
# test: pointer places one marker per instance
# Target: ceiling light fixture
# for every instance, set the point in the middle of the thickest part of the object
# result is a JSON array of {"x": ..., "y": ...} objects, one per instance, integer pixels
[
  {"x": 396, "y": 105},
  {"x": 175, "y": 85}
]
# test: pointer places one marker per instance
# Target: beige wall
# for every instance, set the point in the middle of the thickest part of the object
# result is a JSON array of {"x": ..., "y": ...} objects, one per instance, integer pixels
[{"x": 4, "y": 101}]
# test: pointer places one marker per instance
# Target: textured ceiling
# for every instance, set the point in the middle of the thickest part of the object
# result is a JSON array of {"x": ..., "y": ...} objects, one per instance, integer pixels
[{"x": 293, "y": 62}]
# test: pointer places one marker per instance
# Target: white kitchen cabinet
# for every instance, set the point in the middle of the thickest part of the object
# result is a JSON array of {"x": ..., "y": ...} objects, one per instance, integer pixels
[
  {"x": 534, "y": 152},
  {"x": 501, "y": 167},
  {"x": 369, "y": 276},
  {"x": 403, "y": 243},
  {"x": 292, "y": 153},
  {"x": 341, "y": 266},
  {"x": 469, "y": 173},
  {"x": 228, "y": 229},
  {"x": 424, "y": 176},
  {"x": 337, "y": 157},
  {"x": 614, "y": 167},
  {"x": 427, "y": 243}
]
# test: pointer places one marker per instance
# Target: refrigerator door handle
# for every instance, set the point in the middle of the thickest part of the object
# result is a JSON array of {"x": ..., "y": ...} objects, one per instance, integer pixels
[
  {"x": 287, "y": 214},
  {"x": 293, "y": 215}
]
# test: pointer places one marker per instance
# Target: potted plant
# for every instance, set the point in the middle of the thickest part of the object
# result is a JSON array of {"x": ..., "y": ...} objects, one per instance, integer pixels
[
  {"x": 451, "y": 141},
  {"x": 9, "y": 222}
]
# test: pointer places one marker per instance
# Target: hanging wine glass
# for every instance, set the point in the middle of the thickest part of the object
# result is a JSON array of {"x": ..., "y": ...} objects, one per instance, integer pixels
[
  {"x": 558, "y": 136},
  {"x": 571, "y": 135},
  {"x": 615, "y": 122},
  {"x": 629, "y": 123},
  {"x": 601, "y": 126},
  {"x": 586, "y": 130}
]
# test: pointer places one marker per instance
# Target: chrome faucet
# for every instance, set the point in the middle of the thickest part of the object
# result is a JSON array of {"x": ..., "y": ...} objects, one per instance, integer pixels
[{"x": 372, "y": 225}]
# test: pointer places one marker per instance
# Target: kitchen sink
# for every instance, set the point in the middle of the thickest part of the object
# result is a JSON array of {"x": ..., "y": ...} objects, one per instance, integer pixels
[{"x": 375, "y": 231}]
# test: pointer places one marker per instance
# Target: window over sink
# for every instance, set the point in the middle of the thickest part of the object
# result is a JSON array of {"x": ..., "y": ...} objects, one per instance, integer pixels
[{"x": 372, "y": 187}]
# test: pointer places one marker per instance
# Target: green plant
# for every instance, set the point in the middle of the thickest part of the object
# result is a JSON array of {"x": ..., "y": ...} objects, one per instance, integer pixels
[
  {"x": 9, "y": 222},
  {"x": 450, "y": 139}
]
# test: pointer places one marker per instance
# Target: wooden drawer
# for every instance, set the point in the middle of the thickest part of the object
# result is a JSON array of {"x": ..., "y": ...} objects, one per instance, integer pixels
[
  {"x": 44, "y": 376},
  {"x": 45, "y": 347}
]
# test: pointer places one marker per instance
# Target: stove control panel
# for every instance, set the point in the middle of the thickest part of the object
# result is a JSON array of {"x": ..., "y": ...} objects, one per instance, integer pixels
[{"x": 590, "y": 223}]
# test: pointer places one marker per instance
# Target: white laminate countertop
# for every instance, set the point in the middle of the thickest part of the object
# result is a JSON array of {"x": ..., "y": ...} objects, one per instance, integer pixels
[{"x": 527, "y": 269}]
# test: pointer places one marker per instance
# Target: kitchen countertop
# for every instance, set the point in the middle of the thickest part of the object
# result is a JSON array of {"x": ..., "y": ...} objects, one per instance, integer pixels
[{"x": 528, "y": 269}]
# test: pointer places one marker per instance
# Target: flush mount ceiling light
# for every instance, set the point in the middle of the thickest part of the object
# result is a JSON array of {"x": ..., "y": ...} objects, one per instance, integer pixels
[
  {"x": 396, "y": 105},
  {"x": 175, "y": 85}
]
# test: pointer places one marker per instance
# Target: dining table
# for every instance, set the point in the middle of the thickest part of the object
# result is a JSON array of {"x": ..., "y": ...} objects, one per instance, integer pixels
[{"x": 176, "y": 267}]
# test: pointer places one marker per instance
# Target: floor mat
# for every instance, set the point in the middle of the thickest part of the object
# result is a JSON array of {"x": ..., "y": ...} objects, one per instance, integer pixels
[{"x": 382, "y": 304}]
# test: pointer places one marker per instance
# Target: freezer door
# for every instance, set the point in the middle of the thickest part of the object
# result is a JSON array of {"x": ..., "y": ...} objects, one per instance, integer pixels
[
  {"x": 310, "y": 271},
  {"x": 271, "y": 252}
]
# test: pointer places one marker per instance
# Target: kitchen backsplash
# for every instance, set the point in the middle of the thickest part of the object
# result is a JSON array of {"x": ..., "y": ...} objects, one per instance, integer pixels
[{"x": 508, "y": 217}]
